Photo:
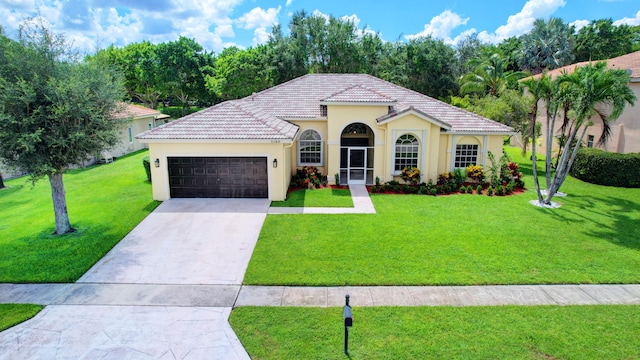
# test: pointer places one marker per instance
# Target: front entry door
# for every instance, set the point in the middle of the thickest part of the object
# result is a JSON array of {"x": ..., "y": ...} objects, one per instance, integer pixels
[{"x": 357, "y": 165}]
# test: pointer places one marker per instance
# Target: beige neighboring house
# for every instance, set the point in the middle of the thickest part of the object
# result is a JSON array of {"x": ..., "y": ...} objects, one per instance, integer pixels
[
  {"x": 140, "y": 119},
  {"x": 625, "y": 131},
  {"x": 354, "y": 125}
]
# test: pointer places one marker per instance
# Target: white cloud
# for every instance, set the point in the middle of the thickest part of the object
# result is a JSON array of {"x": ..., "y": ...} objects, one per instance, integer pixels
[
  {"x": 355, "y": 20},
  {"x": 441, "y": 26},
  {"x": 579, "y": 24},
  {"x": 258, "y": 17},
  {"x": 628, "y": 21},
  {"x": 288, "y": 2},
  {"x": 522, "y": 22},
  {"x": 317, "y": 12},
  {"x": 260, "y": 36}
]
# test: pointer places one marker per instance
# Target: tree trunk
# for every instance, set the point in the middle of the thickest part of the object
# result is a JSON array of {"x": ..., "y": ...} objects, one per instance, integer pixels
[
  {"x": 1, "y": 182},
  {"x": 534, "y": 160},
  {"x": 59, "y": 204}
]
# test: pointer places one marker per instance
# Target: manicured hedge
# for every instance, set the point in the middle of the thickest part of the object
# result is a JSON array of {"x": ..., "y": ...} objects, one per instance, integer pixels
[
  {"x": 147, "y": 167},
  {"x": 605, "y": 168}
]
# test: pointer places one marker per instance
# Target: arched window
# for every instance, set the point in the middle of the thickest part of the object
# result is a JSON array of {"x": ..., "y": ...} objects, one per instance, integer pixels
[
  {"x": 406, "y": 154},
  {"x": 310, "y": 148}
]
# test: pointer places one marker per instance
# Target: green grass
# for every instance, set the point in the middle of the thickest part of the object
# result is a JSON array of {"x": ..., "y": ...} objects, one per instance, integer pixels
[
  {"x": 462, "y": 239},
  {"x": 14, "y": 314},
  {"x": 105, "y": 202},
  {"x": 528, "y": 332},
  {"x": 317, "y": 198}
]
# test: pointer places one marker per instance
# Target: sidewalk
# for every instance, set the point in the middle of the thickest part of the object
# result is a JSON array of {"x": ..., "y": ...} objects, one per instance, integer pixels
[
  {"x": 235, "y": 296},
  {"x": 361, "y": 205}
]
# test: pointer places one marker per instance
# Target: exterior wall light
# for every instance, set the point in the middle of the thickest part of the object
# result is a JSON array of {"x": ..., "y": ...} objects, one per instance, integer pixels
[
  {"x": 275, "y": 163},
  {"x": 157, "y": 163}
]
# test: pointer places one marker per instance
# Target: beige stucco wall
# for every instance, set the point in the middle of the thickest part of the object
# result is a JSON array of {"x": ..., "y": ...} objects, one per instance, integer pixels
[
  {"x": 317, "y": 125},
  {"x": 339, "y": 116},
  {"x": 124, "y": 146},
  {"x": 279, "y": 177}
]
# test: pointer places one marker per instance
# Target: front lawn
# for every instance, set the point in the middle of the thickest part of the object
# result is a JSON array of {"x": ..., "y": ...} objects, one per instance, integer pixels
[
  {"x": 327, "y": 197},
  {"x": 14, "y": 314},
  {"x": 105, "y": 202},
  {"x": 504, "y": 332},
  {"x": 461, "y": 239}
]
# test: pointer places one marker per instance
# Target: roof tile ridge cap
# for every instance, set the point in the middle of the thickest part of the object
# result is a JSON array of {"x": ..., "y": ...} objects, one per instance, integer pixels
[
  {"x": 377, "y": 92},
  {"x": 261, "y": 92},
  {"x": 271, "y": 121},
  {"x": 339, "y": 91}
]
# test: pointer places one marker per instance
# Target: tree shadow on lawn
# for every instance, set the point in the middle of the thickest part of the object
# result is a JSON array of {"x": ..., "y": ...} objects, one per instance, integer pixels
[{"x": 620, "y": 227}]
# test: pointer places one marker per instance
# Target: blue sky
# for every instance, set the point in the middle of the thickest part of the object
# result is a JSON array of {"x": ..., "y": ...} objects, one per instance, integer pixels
[{"x": 216, "y": 24}]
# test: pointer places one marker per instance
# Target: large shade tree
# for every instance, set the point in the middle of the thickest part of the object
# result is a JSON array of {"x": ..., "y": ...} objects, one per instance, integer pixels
[
  {"x": 54, "y": 110},
  {"x": 590, "y": 91}
]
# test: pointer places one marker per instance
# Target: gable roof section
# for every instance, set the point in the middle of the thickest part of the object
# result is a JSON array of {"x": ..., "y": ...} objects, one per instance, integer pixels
[
  {"x": 230, "y": 120},
  {"x": 139, "y": 111},
  {"x": 629, "y": 62},
  {"x": 358, "y": 94},
  {"x": 264, "y": 115}
]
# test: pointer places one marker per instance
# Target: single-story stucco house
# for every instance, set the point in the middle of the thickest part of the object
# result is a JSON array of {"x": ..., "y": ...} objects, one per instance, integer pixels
[
  {"x": 625, "y": 131},
  {"x": 139, "y": 119},
  {"x": 354, "y": 125}
]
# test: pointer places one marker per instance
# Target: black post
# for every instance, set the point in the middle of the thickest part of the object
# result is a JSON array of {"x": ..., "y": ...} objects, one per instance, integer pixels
[{"x": 348, "y": 322}]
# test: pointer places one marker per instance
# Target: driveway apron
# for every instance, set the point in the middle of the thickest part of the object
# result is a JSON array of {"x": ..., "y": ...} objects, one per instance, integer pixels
[{"x": 183, "y": 245}]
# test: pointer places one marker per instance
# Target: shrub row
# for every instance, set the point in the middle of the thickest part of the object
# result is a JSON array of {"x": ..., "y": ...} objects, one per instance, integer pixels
[{"x": 605, "y": 168}]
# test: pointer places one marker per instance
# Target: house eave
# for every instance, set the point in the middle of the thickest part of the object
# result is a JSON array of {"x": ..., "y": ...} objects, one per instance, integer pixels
[
  {"x": 217, "y": 141},
  {"x": 411, "y": 111},
  {"x": 359, "y": 103}
]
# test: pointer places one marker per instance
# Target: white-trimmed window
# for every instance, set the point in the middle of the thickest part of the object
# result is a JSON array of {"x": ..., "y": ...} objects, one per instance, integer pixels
[
  {"x": 310, "y": 148},
  {"x": 130, "y": 135},
  {"x": 466, "y": 154},
  {"x": 406, "y": 154}
]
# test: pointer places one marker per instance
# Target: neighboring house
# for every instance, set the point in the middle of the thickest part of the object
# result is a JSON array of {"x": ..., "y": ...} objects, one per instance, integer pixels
[
  {"x": 625, "y": 131},
  {"x": 140, "y": 119},
  {"x": 354, "y": 125}
]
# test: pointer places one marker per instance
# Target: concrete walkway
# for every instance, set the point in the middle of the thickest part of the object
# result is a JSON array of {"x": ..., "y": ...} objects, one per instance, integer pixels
[{"x": 228, "y": 296}]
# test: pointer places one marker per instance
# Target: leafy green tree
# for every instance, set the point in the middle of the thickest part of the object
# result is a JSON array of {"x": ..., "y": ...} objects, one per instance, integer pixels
[
  {"x": 510, "y": 48},
  {"x": 548, "y": 45},
  {"x": 142, "y": 70},
  {"x": 239, "y": 73},
  {"x": 54, "y": 110},
  {"x": 285, "y": 58},
  {"x": 601, "y": 40},
  {"x": 489, "y": 76},
  {"x": 467, "y": 49},
  {"x": 430, "y": 65},
  {"x": 185, "y": 66}
]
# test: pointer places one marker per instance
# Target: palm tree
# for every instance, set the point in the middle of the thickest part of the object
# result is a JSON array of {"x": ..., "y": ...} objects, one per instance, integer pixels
[
  {"x": 489, "y": 76},
  {"x": 542, "y": 90},
  {"x": 590, "y": 90},
  {"x": 549, "y": 45}
]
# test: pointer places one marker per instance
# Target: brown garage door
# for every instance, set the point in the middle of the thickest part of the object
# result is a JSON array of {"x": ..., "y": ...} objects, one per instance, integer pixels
[{"x": 218, "y": 177}]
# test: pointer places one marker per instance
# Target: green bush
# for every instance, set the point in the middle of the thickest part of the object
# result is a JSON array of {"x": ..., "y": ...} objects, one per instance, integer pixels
[
  {"x": 147, "y": 167},
  {"x": 470, "y": 189},
  {"x": 463, "y": 190},
  {"x": 479, "y": 190},
  {"x": 489, "y": 191},
  {"x": 605, "y": 168},
  {"x": 176, "y": 112}
]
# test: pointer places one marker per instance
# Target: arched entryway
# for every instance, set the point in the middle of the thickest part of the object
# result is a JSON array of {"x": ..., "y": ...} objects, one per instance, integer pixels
[{"x": 356, "y": 154}]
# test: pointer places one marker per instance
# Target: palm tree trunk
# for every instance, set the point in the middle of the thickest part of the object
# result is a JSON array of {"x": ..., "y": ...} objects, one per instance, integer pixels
[
  {"x": 562, "y": 167},
  {"x": 550, "y": 128},
  {"x": 1, "y": 182},
  {"x": 534, "y": 160},
  {"x": 573, "y": 157},
  {"x": 59, "y": 204}
]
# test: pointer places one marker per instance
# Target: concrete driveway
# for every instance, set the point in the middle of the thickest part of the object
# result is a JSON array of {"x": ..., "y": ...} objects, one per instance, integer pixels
[
  {"x": 164, "y": 292},
  {"x": 186, "y": 241}
]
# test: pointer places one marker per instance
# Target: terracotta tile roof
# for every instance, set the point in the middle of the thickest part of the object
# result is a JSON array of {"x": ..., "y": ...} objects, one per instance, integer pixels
[
  {"x": 357, "y": 94},
  {"x": 137, "y": 111},
  {"x": 233, "y": 120},
  {"x": 630, "y": 62},
  {"x": 263, "y": 115}
]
